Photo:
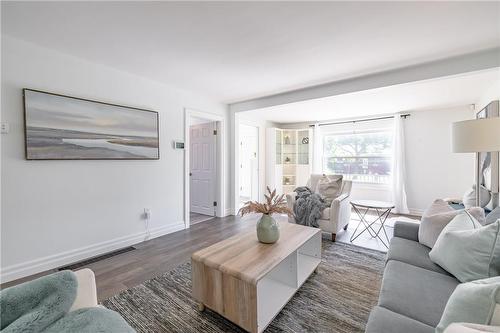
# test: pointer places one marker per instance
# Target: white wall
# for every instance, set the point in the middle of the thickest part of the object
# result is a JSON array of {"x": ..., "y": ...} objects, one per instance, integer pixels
[
  {"x": 433, "y": 171},
  {"x": 55, "y": 212}
]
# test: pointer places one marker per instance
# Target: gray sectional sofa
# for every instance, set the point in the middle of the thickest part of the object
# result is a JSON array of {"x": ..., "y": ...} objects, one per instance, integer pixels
[{"x": 414, "y": 290}]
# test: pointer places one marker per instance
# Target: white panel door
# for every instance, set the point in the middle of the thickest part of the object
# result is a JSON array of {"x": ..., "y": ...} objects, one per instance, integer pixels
[{"x": 203, "y": 168}]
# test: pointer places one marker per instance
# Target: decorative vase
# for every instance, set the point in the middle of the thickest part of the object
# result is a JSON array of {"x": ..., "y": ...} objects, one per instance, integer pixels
[{"x": 268, "y": 230}]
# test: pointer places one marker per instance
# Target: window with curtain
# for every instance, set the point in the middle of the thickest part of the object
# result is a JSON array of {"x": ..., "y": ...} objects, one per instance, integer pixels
[{"x": 364, "y": 156}]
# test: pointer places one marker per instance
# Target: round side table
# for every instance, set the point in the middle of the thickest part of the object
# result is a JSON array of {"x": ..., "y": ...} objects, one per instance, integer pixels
[{"x": 362, "y": 207}]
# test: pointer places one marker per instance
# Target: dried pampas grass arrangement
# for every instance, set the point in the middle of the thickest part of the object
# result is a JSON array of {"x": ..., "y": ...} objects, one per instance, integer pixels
[{"x": 274, "y": 204}]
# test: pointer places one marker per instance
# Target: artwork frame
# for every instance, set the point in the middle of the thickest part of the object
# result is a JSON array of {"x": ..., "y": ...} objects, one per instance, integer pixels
[
  {"x": 488, "y": 163},
  {"x": 110, "y": 145}
]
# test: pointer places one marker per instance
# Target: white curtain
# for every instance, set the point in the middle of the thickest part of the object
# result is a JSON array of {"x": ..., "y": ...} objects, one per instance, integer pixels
[
  {"x": 399, "y": 167},
  {"x": 317, "y": 163}
]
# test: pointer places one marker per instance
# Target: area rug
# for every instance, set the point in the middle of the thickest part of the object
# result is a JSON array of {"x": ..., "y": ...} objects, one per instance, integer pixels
[{"x": 338, "y": 298}]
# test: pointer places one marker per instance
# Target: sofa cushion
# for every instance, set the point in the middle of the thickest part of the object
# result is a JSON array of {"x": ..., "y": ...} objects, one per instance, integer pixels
[
  {"x": 385, "y": 321},
  {"x": 415, "y": 292},
  {"x": 412, "y": 253}
]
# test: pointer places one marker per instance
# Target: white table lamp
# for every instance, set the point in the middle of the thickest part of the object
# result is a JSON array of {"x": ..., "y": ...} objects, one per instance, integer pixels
[{"x": 474, "y": 136}]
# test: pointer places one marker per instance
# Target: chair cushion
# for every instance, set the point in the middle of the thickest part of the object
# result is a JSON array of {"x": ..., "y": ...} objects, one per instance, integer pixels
[
  {"x": 325, "y": 215},
  {"x": 385, "y": 321},
  {"x": 412, "y": 253},
  {"x": 415, "y": 292}
]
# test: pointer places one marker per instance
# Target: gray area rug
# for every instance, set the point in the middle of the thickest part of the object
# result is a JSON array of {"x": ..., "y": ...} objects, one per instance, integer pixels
[{"x": 338, "y": 298}]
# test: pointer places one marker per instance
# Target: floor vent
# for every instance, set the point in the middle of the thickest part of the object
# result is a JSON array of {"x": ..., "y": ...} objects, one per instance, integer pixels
[{"x": 84, "y": 263}]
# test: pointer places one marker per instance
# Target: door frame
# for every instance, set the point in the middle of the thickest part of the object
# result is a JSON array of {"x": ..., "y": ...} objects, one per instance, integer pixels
[
  {"x": 237, "y": 120},
  {"x": 220, "y": 157},
  {"x": 257, "y": 127}
]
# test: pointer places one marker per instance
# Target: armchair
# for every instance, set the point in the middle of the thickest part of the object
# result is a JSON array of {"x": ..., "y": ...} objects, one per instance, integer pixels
[{"x": 337, "y": 216}]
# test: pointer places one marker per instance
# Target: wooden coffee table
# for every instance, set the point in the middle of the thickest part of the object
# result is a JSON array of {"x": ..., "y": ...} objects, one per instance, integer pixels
[{"x": 249, "y": 282}]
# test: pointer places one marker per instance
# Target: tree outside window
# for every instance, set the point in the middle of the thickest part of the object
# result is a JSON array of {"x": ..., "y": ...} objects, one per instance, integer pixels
[{"x": 364, "y": 157}]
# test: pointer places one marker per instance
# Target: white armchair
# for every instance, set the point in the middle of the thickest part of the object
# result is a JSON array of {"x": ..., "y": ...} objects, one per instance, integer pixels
[
  {"x": 86, "y": 294},
  {"x": 337, "y": 216}
]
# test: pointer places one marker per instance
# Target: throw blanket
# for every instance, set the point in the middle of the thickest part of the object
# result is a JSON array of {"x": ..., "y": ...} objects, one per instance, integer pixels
[
  {"x": 308, "y": 206},
  {"x": 42, "y": 305}
]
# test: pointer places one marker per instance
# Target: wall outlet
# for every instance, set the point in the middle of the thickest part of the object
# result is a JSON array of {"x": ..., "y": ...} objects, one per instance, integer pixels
[
  {"x": 147, "y": 213},
  {"x": 4, "y": 128}
]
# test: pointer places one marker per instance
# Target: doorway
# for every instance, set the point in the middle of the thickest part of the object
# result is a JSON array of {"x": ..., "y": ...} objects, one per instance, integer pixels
[
  {"x": 204, "y": 171},
  {"x": 249, "y": 163}
]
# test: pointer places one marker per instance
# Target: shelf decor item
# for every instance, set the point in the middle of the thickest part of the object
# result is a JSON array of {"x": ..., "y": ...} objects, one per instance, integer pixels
[{"x": 267, "y": 228}]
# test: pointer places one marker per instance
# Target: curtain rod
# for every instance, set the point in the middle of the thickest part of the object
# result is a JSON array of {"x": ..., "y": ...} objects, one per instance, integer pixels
[{"x": 360, "y": 120}]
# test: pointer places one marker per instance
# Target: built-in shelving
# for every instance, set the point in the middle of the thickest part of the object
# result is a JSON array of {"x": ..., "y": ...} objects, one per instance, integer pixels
[{"x": 291, "y": 163}]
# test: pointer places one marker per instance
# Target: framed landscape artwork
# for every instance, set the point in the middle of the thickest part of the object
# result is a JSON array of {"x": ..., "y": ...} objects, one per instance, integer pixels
[
  {"x": 489, "y": 163},
  {"x": 61, "y": 127}
]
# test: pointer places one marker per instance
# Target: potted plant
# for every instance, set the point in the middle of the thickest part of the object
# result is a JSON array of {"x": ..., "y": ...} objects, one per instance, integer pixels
[{"x": 267, "y": 228}]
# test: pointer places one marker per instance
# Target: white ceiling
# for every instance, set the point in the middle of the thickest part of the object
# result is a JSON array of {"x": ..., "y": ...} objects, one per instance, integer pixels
[
  {"x": 232, "y": 51},
  {"x": 437, "y": 93}
]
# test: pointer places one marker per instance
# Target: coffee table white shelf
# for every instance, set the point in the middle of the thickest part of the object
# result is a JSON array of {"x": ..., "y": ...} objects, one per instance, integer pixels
[{"x": 249, "y": 282}]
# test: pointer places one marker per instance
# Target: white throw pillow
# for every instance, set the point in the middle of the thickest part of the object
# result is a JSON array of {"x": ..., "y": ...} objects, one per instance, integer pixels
[
  {"x": 471, "y": 328},
  {"x": 468, "y": 250},
  {"x": 437, "y": 216},
  {"x": 469, "y": 199},
  {"x": 472, "y": 302}
]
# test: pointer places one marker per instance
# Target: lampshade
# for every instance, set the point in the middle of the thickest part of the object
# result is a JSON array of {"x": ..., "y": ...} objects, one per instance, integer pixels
[{"x": 478, "y": 135}]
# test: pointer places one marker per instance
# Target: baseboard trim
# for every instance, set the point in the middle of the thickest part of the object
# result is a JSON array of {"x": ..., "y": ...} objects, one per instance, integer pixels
[
  {"x": 228, "y": 212},
  {"x": 416, "y": 211},
  {"x": 31, "y": 267}
]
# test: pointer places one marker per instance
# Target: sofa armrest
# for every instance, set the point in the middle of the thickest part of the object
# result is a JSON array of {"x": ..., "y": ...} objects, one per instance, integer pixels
[
  {"x": 406, "y": 230},
  {"x": 86, "y": 294}
]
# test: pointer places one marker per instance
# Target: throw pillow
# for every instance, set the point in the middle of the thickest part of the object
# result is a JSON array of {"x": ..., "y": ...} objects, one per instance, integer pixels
[
  {"x": 469, "y": 199},
  {"x": 470, "y": 328},
  {"x": 329, "y": 187},
  {"x": 437, "y": 216},
  {"x": 473, "y": 302},
  {"x": 468, "y": 250},
  {"x": 493, "y": 216}
]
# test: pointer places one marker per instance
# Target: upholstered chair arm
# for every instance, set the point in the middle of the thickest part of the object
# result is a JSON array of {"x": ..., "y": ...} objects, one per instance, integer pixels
[
  {"x": 290, "y": 200},
  {"x": 340, "y": 212},
  {"x": 86, "y": 293}
]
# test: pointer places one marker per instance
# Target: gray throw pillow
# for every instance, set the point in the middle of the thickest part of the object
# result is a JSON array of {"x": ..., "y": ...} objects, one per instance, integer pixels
[
  {"x": 437, "y": 216},
  {"x": 475, "y": 302},
  {"x": 493, "y": 216},
  {"x": 469, "y": 198},
  {"x": 468, "y": 250},
  {"x": 329, "y": 187}
]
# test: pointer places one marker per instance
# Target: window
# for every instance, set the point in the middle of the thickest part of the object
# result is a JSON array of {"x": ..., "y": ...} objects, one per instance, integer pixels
[{"x": 364, "y": 157}]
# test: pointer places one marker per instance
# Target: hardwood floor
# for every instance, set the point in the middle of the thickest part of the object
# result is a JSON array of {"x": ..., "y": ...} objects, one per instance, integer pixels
[
  {"x": 195, "y": 218},
  {"x": 162, "y": 254}
]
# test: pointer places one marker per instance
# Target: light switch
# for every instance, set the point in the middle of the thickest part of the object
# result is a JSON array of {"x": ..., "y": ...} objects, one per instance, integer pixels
[{"x": 4, "y": 128}]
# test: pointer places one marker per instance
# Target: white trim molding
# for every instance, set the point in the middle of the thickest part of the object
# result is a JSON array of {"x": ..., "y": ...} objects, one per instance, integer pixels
[
  {"x": 31, "y": 267},
  {"x": 471, "y": 62},
  {"x": 220, "y": 151}
]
